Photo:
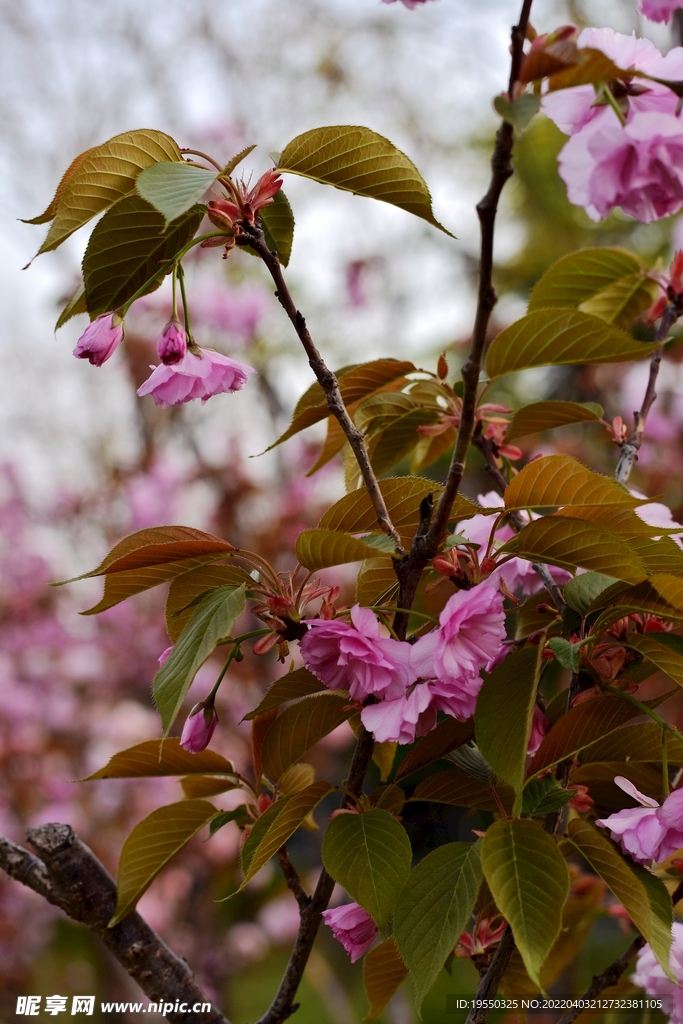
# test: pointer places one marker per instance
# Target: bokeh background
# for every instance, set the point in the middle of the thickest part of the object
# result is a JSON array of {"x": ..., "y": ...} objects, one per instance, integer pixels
[{"x": 83, "y": 461}]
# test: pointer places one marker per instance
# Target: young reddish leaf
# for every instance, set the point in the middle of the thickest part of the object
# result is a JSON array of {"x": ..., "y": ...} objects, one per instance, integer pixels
[
  {"x": 504, "y": 713},
  {"x": 297, "y": 683},
  {"x": 433, "y": 909},
  {"x": 561, "y": 337},
  {"x": 642, "y": 895},
  {"x": 212, "y": 621},
  {"x": 457, "y": 789},
  {"x": 359, "y": 160},
  {"x": 584, "y": 724},
  {"x": 369, "y": 855},
  {"x": 383, "y": 972},
  {"x": 593, "y": 66},
  {"x": 188, "y": 586},
  {"x": 151, "y": 845},
  {"x": 560, "y": 480},
  {"x": 515, "y": 855},
  {"x": 300, "y": 727},
  {"x": 568, "y": 543},
  {"x": 448, "y": 735},
  {"x": 105, "y": 174},
  {"x": 540, "y": 416},
  {"x": 130, "y": 245},
  {"x": 161, "y": 757}
]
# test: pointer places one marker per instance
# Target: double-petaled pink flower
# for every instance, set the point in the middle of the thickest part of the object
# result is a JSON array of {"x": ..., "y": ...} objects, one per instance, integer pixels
[
  {"x": 354, "y": 656},
  {"x": 100, "y": 339},
  {"x": 353, "y": 927},
  {"x": 195, "y": 375},
  {"x": 650, "y": 976},
  {"x": 649, "y": 832}
]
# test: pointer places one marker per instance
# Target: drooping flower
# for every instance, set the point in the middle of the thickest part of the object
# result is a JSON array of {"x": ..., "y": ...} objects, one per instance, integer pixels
[
  {"x": 468, "y": 639},
  {"x": 648, "y": 832},
  {"x": 199, "y": 727},
  {"x": 659, "y": 10},
  {"x": 195, "y": 376},
  {"x": 172, "y": 343},
  {"x": 353, "y": 927},
  {"x": 650, "y": 976},
  {"x": 100, "y": 339},
  {"x": 355, "y": 657}
]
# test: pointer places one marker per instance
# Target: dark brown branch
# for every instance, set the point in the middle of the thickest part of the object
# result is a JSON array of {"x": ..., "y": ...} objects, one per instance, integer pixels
[
  {"x": 490, "y": 979},
  {"x": 283, "y": 1005},
  {"x": 328, "y": 382},
  {"x": 425, "y": 548},
  {"x": 69, "y": 876},
  {"x": 292, "y": 879},
  {"x": 607, "y": 979}
]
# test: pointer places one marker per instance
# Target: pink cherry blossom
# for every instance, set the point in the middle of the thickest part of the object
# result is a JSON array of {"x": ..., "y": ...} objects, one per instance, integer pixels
[
  {"x": 353, "y": 927},
  {"x": 195, "y": 376},
  {"x": 402, "y": 719},
  {"x": 650, "y": 976},
  {"x": 172, "y": 343},
  {"x": 100, "y": 339},
  {"x": 199, "y": 727},
  {"x": 469, "y": 637},
  {"x": 659, "y": 10},
  {"x": 355, "y": 657},
  {"x": 648, "y": 832}
]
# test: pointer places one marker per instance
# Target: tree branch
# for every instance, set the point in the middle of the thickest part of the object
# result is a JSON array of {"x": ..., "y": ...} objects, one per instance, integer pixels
[
  {"x": 283, "y": 1005},
  {"x": 292, "y": 879},
  {"x": 254, "y": 238},
  {"x": 607, "y": 979},
  {"x": 71, "y": 877},
  {"x": 425, "y": 548},
  {"x": 490, "y": 980}
]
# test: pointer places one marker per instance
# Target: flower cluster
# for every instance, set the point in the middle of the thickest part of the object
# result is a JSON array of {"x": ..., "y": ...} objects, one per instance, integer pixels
[
  {"x": 650, "y": 976},
  {"x": 410, "y": 682},
  {"x": 625, "y": 148},
  {"x": 649, "y": 832}
]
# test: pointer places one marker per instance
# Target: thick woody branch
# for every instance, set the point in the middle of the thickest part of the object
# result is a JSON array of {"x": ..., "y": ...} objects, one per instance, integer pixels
[
  {"x": 328, "y": 382},
  {"x": 283, "y": 1005},
  {"x": 490, "y": 979},
  {"x": 70, "y": 876}
]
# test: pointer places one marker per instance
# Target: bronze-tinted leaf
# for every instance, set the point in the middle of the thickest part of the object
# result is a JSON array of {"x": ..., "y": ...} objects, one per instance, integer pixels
[
  {"x": 161, "y": 757},
  {"x": 300, "y": 727}
]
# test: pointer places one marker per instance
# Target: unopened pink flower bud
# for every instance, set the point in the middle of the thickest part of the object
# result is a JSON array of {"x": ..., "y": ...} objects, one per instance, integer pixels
[
  {"x": 100, "y": 339},
  {"x": 199, "y": 728},
  {"x": 172, "y": 343}
]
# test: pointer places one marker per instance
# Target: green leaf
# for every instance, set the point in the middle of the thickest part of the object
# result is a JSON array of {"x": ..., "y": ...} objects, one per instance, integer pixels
[
  {"x": 457, "y": 789},
  {"x": 359, "y": 160},
  {"x": 161, "y": 757},
  {"x": 433, "y": 909},
  {"x": 376, "y": 581},
  {"x": 561, "y": 337},
  {"x": 529, "y": 881},
  {"x": 49, "y": 213},
  {"x": 369, "y": 855},
  {"x": 196, "y": 787},
  {"x": 448, "y": 735},
  {"x": 659, "y": 556},
  {"x": 664, "y": 650},
  {"x": 642, "y": 895},
  {"x": 74, "y": 307},
  {"x": 297, "y": 683},
  {"x": 261, "y": 846},
  {"x": 398, "y": 439},
  {"x": 583, "y": 590},
  {"x": 128, "y": 246},
  {"x": 104, "y": 175},
  {"x": 584, "y": 724},
  {"x": 321, "y": 549},
  {"x": 605, "y": 282},
  {"x": 238, "y": 814},
  {"x": 355, "y": 383},
  {"x": 151, "y": 845},
  {"x": 212, "y": 621},
  {"x": 174, "y": 188},
  {"x": 569, "y": 543},
  {"x": 300, "y": 727},
  {"x": 543, "y": 796},
  {"x": 540, "y": 416},
  {"x": 567, "y": 653},
  {"x": 519, "y": 113},
  {"x": 277, "y": 220},
  {"x": 659, "y": 595},
  {"x": 383, "y": 972},
  {"x": 189, "y": 585},
  {"x": 504, "y": 713},
  {"x": 635, "y": 743},
  {"x": 561, "y": 480}
]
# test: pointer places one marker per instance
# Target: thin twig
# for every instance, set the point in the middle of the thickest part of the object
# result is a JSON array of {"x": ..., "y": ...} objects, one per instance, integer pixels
[
  {"x": 71, "y": 877},
  {"x": 490, "y": 979},
  {"x": 425, "y": 548},
  {"x": 292, "y": 879},
  {"x": 283, "y": 1005},
  {"x": 254, "y": 238}
]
